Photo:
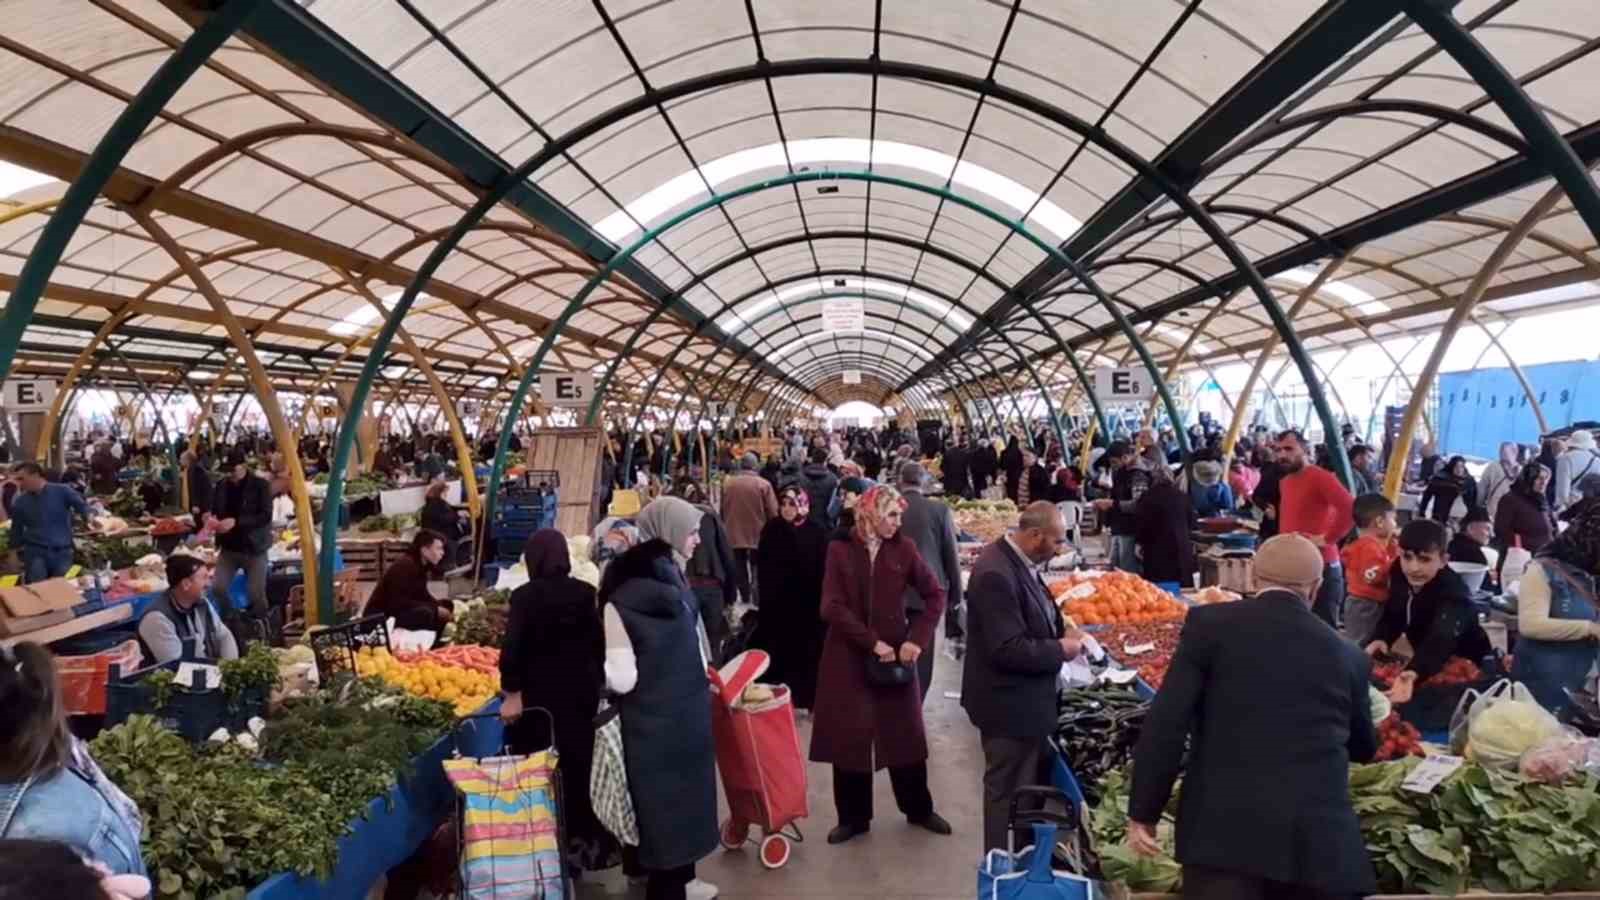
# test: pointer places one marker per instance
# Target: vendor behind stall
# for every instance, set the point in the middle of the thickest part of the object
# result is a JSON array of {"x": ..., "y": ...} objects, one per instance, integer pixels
[
  {"x": 1467, "y": 546},
  {"x": 41, "y": 523},
  {"x": 181, "y": 624},
  {"x": 1429, "y": 604},
  {"x": 403, "y": 591},
  {"x": 241, "y": 506}
]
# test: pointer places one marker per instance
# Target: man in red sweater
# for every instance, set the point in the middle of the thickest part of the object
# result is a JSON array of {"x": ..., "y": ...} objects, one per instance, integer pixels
[{"x": 1313, "y": 503}]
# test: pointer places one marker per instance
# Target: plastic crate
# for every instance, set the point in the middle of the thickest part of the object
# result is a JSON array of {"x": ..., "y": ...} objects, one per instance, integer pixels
[
  {"x": 84, "y": 679},
  {"x": 190, "y": 711},
  {"x": 335, "y": 647}
]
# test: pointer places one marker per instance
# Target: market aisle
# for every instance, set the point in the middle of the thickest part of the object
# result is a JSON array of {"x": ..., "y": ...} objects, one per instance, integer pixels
[{"x": 894, "y": 861}]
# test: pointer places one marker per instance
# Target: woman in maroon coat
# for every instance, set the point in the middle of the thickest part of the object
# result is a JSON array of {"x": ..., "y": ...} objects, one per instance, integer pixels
[{"x": 860, "y": 727}]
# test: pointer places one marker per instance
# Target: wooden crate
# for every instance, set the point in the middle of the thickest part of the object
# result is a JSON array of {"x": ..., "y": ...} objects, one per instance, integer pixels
[{"x": 575, "y": 453}]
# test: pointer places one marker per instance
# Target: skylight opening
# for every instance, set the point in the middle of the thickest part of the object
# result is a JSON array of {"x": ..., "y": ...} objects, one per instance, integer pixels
[
  {"x": 367, "y": 314},
  {"x": 1180, "y": 336},
  {"x": 691, "y": 185},
  {"x": 1363, "y": 302},
  {"x": 16, "y": 179}
]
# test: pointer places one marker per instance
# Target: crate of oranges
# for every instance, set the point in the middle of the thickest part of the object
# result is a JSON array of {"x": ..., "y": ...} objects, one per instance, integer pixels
[
  {"x": 1116, "y": 598},
  {"x": 465, "y": 688}
]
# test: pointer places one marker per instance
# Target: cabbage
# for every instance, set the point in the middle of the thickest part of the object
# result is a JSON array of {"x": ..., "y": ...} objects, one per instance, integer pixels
[{"x": 1499, "y": 735}]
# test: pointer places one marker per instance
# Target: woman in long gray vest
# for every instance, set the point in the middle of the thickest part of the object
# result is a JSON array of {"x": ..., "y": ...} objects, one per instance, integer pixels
[{"x": 656, "y": 663}]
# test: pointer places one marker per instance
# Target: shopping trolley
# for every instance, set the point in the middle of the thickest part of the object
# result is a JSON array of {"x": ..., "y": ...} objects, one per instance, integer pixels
[
  {"x": 758, "y": 753},
  {"x": 510, "y": 834}
]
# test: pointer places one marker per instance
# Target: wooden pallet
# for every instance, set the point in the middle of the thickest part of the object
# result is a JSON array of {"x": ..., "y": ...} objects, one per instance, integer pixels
[{"x": 575, "y": 453}]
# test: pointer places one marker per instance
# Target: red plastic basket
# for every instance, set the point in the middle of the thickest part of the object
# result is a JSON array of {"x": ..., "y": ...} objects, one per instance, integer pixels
[{"x": 84, "y": 678}]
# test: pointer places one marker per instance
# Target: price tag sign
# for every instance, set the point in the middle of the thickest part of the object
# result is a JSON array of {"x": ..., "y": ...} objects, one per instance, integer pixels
[
  {"x": 1430, "y": 773},
  {"x": 1136, "y": 649},
  {"x": 73, "y": 572}
]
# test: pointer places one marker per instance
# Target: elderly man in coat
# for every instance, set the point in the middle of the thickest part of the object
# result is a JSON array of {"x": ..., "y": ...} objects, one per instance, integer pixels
[
  {"x": 1017, "y": 643},
  {"x": 863, "y": 725},
  {"x": 932, "y": 527},
  {"x": 1263, "y": 710}
]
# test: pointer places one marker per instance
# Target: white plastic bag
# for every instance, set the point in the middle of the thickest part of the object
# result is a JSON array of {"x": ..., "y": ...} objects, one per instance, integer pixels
[
  {"x": 1559, "y": 758},
  {"x": 404, "y": 639},
  {"x": 1497, "y": 727}
]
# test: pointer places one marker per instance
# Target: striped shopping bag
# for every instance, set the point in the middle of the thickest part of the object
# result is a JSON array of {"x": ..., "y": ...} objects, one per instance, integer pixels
[{"x": 510, "y": 832}]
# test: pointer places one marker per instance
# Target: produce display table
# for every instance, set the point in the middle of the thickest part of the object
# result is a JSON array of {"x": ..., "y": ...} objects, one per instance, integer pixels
[{"x": 397, "y": 823}]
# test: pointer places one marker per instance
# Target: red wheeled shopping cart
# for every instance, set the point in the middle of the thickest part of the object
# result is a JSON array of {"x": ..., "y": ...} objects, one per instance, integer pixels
[{"x": 758, "y": 752}]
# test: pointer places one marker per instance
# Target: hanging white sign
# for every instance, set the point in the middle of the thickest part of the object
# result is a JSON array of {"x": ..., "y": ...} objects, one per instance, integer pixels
[
  {"x": 29, "y": 396},
  {"x": 566, "y": 388},
  {"x": 1122, "y": 385},
  {"x": 843, "y": 314},
  {"x": 852, "y": 376}
]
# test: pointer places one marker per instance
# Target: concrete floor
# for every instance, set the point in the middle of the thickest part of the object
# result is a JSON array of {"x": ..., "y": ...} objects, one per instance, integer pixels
[{"x": 893, "y": 862}]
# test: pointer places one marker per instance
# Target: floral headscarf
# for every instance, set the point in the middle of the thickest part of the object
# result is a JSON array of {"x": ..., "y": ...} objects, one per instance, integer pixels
[
  {"x": 871, "y": 509},
  {"x": 1579, "y": 545},
  {"x": 801, "y": 500}
]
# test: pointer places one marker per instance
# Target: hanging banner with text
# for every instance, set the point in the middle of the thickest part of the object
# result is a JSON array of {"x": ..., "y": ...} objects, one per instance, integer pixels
[
  {"x": 29, "y": 396},
  {"x": 566, "y": 388},
  {"x": 852, "y": 376},
  {"x": 1122, "y": 385},
  {"x": 843, "y": 314}
]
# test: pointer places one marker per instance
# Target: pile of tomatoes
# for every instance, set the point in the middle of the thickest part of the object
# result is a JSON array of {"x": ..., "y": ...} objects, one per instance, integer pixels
[
  {"x": 1457, "y": 670},
  {"x": 1117, "y": 598},
  {"x": 1152, "y": 664},
  {"x": 1397, "y": 738}
]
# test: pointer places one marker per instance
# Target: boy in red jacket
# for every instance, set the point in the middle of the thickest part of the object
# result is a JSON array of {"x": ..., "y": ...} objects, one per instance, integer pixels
[{"x": 1367, "y": 561}]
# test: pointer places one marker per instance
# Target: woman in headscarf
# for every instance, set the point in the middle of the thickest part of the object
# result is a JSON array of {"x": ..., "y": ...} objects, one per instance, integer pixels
[
  {"x": 656, "y": 663},
  {"x": 860, "y": 725},
  {"x": 1524, "y": 518},
  {"x": 789, "y": 578},
  {"x": 850, "y": 491},
  {"x": 1450, "y": 485},
  {"x": 1012, "y": 465},
  {"x": 1164, "y": 518},
  {"x": 551, "y": 660},
  {"x": 711, "y": 570},
  {"x": 1558, "y": 617},
  {"x": 1497, "y": 478}
]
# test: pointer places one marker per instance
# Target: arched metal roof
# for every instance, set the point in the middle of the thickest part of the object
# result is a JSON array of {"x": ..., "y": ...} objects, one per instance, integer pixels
[{"x": 328, "y": 146}]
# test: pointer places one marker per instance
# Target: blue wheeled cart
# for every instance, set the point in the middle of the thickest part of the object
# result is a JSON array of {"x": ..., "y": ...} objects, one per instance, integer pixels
[{"x": 527, "y": 505}]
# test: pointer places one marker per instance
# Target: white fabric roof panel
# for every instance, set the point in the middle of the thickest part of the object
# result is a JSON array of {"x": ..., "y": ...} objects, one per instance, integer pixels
[{"x": 1081, "y": 59}]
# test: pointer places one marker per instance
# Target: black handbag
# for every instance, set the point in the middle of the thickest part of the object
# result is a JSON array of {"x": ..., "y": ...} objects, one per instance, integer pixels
[{"x": 888, "y": 674}]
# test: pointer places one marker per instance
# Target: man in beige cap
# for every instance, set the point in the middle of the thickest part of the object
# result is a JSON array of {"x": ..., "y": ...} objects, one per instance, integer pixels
[{"x": 1272, "y": 704}]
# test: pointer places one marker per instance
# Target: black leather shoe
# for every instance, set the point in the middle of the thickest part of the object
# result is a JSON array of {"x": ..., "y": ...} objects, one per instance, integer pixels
[
  {"x": 846, "y": 832},
  {"x": 933, "y": 822}
]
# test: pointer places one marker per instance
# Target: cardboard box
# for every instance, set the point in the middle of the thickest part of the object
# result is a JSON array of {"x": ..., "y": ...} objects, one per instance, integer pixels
[
  {"x": 10, "y": 626},
  {"x": 39, "y": 598}
]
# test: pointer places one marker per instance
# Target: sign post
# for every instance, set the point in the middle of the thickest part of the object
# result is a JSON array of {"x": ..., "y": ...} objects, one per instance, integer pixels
[
  {"x": 28, "y": 396},
  {"x": 566, "y": 388},
  {"x": 1122, "y": 385}
]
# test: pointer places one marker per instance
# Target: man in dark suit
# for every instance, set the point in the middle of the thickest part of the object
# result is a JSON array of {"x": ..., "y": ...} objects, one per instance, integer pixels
[
  {"x": 1016, "y": 643},
  {"x": 932, "y": 527},
  {"x": 1275, "y": 704}
]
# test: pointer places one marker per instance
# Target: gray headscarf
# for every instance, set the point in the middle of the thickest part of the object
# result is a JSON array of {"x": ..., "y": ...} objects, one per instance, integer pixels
[{"x": 672, "y": 520}]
